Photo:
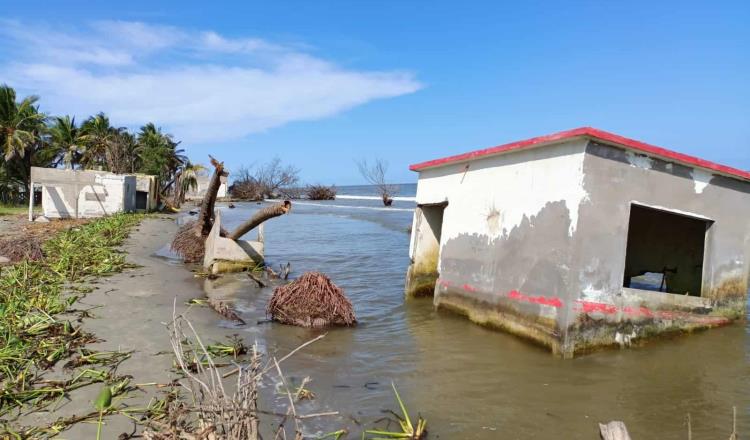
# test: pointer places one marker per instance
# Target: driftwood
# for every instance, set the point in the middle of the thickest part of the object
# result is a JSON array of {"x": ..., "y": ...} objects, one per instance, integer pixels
[
  {"x": 257, "y": 279},
  {"x": 224, "y": 309},
  {"x": 262, "y": 215},
  {"x": 312, "y": 300},
  {"x": 614, "y": 431}
]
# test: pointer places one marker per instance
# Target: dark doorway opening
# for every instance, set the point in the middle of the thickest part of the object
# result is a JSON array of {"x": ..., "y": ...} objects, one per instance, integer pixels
[
  {"x": 665, "y": 251},
  {"x": 141, "y": 200}
]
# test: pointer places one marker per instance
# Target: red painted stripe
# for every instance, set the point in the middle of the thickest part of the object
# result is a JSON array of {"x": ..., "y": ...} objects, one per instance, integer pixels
[
  {"x": 593, "y": 307},
  {"x": 607, "y": 309},
  {"x": 547, "y": 301},
  {"x": 594, "y": 134}
]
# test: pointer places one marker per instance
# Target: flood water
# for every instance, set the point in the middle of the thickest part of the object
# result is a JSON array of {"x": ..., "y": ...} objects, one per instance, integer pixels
[{"x": 467, "y": 381}]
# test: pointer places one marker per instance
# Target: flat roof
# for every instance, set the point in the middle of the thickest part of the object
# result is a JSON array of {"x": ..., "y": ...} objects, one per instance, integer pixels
[{"x": 591, "y": 133}]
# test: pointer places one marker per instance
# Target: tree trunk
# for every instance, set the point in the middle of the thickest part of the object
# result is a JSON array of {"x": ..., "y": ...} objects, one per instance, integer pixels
[
  {"x": 176, "y": 193},
  {"x": 264, "y": 214},
  {"x": 206, "y": 216}
]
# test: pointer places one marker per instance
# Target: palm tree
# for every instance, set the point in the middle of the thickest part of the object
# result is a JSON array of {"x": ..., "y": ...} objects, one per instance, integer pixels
[
  {"x": 187, "y": 178},
  {"x": 66, "y": 137},
  {"x": 159, "y": 155},
  {"x": 18, "y": 121},
  {"x": 97, "y": 134}
]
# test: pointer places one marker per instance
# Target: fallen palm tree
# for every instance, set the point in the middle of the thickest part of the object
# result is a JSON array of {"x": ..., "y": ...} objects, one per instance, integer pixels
[
  {"x": 312, "y": 300},
  {"x": 190, "y": 240},
  {"x": 259, "y": 217}
]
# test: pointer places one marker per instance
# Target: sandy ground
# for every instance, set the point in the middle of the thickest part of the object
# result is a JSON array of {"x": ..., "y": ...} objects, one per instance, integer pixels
[
  {"x": 10, "y": 225},
  {"x": 130, "y": 312}
]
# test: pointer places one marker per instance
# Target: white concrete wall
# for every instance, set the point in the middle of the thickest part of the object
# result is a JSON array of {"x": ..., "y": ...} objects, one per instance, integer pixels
[
  {"x": 54, "y": 203},
  {"x": 490, "y": 196},
  {"x": 108, "y": 194}
]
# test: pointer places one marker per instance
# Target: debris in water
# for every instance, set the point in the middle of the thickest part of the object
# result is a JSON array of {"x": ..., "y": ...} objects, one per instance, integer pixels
[
  {"x": 312, "y": 300},
  {"x": 224, "y": 309}
]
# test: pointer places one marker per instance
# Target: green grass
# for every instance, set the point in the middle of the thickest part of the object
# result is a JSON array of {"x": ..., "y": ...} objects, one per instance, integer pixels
[
  {"x": 32, "y": 294},
  {"x": 13, "y": 210}
]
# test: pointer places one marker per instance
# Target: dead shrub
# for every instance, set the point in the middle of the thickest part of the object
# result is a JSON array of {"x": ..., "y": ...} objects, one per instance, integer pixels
[
  {"x": 312, "y": 300},
  {"x": 321, "y": 192}
]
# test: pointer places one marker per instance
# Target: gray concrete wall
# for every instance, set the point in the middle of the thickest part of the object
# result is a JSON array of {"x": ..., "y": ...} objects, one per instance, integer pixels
[{"x": 606, "y": 313}]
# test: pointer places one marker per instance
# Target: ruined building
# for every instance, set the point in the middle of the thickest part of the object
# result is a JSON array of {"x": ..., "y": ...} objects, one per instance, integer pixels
[
  {"x": 89, "y": 193},
  {"x": 582, "y": 239}
]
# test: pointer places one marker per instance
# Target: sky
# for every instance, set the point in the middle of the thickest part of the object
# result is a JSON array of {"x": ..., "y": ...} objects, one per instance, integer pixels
[{"x": 323, "y": 84}]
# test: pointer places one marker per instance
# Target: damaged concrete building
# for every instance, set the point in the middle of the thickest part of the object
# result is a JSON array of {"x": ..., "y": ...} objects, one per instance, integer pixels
[
  {"x": 203, "y": 181},
  {"x": 582, "y": 239},
  {"x": 88, "y": 193}
]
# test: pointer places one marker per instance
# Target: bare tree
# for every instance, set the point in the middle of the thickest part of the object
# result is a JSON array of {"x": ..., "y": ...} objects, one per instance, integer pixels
[
  {"x": 266, "y": 181},
  {"x": 375, "y": 174}
]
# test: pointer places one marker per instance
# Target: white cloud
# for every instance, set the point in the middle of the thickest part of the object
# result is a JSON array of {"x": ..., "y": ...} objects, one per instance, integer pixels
[{"x": 200, "y": 86}]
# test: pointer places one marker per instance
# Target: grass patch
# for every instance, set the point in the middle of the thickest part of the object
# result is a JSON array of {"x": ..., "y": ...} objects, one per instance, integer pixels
[
  {"x": 13, "y": 209},
  {"x": 32, "y": 293}
]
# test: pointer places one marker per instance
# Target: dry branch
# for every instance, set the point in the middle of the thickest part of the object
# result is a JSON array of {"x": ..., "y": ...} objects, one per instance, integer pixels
[
  {"x": 213, "y": 413},
  {"x": 312, "y": 300},
  {"x": 259, "y": 217}
]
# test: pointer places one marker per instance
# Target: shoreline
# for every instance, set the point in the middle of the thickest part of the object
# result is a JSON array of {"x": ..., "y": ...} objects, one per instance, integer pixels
[{"x": 128, "y": 313}]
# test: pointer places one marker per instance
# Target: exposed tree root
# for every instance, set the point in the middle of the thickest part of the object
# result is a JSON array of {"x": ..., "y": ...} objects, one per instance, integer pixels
[
  {"x": 189, "y": 243},
  {"x": 312, "y": 300}
]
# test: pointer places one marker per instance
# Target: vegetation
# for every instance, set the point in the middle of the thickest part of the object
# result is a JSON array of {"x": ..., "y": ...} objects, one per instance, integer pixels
[
  {"x": 12, "y": 210},
  {"x": 375, "y": 174},
  {"x": 408, "y": 429},
  {"x": 31, "y": 138},
  {"x": 33, "y": 337},
  {"x": 320, "y": 192},
  {"x": 270, "y": 180}
]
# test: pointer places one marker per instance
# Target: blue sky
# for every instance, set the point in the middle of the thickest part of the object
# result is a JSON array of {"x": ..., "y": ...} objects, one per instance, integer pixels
[{"x": 324, "y": 83}]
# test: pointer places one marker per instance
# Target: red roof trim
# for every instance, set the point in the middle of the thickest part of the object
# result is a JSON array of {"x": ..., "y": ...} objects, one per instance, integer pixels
[{"x": 592, "y": 133}]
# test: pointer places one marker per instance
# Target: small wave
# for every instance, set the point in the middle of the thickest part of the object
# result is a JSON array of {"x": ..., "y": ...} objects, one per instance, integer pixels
[
  {"x": 353, "y": 197},
  {"x": 372, "y": 208}
]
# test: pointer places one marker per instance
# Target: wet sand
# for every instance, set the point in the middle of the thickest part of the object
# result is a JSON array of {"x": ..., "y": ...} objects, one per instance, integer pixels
[{"x": 130, "y": 310}]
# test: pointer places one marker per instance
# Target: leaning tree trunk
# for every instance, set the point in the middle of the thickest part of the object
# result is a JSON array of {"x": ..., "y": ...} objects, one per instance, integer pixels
[
  {"x": 176, "y": 199},
  {"x": 206, "y": 216},
  {"x": 264, "y": 214}
]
